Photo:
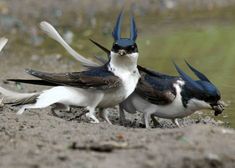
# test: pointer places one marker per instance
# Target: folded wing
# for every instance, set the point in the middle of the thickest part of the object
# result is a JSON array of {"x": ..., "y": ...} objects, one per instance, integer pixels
[
  {"x": 159, "y": 91},
  {"x": 98, "y": 78}
]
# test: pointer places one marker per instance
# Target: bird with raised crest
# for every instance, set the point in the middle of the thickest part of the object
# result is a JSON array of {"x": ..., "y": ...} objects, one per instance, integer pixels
[
  {"x": 102, "y": 86},
  {"x": 166, "y": 96}
]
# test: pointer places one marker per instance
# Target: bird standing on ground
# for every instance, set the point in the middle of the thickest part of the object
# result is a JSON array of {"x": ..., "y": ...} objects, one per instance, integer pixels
[
  {"x": 103, "y": 86},
  {"x": 172, "y": 97},
  {"x": 158, "y": 94},
  {"x": 169, "y": 97}
]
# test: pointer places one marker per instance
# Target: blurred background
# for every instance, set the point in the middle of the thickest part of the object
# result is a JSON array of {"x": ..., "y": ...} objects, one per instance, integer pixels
[{"x": 201, "y": 31}]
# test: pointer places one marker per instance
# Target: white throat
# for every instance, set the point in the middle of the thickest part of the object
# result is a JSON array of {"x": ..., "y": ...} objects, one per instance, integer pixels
[
  {"x": 123, "y": 63},
  {"x": 195, "y": 104}
]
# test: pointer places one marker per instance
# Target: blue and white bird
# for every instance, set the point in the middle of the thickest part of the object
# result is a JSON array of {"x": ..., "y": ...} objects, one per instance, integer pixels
[
  {"x": 103, "y": 86},
  {"x": 158, "y": 94},
  {"x": 170, "y": 97}
]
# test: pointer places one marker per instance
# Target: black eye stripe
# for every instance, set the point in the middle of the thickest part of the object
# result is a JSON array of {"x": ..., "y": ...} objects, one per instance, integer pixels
[{"x": 129, "y": 49}]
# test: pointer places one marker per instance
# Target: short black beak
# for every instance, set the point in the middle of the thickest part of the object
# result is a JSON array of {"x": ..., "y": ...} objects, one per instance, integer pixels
[
  {"x": 122, "y": 52},
  {"x": 218, "y": 107}
]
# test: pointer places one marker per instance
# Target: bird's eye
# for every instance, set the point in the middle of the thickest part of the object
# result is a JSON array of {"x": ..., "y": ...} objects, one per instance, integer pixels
[
  {"x": 115, "y": 48},
  {"x": 131, "y": 49},
  {"x": 210, "y": 98}
]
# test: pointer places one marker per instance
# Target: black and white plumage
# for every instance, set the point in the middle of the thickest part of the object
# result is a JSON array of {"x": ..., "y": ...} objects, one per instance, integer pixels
[
  {"x": 162, "y": 95},
  {"x": 171, "y": 97},
  {"x": 168, "y": 96},
  {"x": 102, "y": 86}
]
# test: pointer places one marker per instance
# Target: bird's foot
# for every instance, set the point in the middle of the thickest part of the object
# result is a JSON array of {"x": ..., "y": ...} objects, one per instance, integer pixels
[
  {"x": 146, "y": 120},
  {"x": 104, "y": 115},
  {"x": 155, "y": 121},
  {"x": 1, "y": 102},
  {"x": 20, "y": 111},
  {"x": 122, "y": 117},
  {"x": 176, "y": 122},
  {"x": 93, "y": 118},
  {"x": 54, "y": 113}
]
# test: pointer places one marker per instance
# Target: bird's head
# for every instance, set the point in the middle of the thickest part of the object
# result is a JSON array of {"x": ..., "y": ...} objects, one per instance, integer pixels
[
  {"x": 203, "y": 91},
  {"x": 124, "y": 50}
]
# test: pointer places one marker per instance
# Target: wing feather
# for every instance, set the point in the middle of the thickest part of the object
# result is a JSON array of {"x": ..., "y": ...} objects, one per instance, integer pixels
[
  {"x": 98, "y": 78},
  {"x": 156, "y": 90}
]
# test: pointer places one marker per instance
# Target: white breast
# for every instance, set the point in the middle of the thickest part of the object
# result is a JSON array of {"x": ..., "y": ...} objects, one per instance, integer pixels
[
  {"x": 173, "y": 110},
  {"x": 124, "y": 67},
  {"x": 129, "y": 75},
  {"x": 130, "y": 81},
  {"x": 116, "y": 96}
]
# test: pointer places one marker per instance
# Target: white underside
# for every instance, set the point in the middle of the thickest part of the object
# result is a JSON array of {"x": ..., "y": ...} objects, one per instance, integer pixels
[
  {"x": 125, "y": 67},
  {"x": 90, "y": 98},
  {"x": 171, "y": 111}
]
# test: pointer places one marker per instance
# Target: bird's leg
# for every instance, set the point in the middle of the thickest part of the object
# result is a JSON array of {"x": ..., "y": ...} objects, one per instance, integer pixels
[
  {"x": 146, "y": 120},
  {"x": 122, "y": 116},
  {"x": 91, "y": 109},
  {"x": 104, "y": 115},
  {"x": 1, "y": 102},
  {"x": 176, "y": 122},
  {"x": 53, "y": 112},
  {"x": 183, "y": 123},
  {"x": 91, "y": 115},
  {"x": 155, "y": 121},
  {"x": 21, "y": 110}
]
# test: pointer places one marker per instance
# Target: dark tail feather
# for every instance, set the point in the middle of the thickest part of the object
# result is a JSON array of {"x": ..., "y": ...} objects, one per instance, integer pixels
[
  {"x": 28, "y": 100},
  {"x": 34, "y": 82}
]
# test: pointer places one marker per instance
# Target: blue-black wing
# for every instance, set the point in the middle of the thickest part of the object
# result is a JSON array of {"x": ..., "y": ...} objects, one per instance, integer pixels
[
  {"x": 156, "y": 88},
  {"x": 99, "y": 78}
]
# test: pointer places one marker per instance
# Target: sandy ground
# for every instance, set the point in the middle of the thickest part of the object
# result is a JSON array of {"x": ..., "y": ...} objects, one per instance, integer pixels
[{"x": 38, "y": 139}]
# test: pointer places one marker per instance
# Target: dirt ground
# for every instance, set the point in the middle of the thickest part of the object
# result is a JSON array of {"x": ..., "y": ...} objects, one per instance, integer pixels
[{"x": 38, "y": 139}]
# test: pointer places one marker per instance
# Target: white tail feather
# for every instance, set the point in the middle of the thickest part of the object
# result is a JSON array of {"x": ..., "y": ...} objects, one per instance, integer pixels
[
  {"x": 3, "y": 42},
  {"x": 15, "y": 95},
  {"x": 51, "y": 32}
]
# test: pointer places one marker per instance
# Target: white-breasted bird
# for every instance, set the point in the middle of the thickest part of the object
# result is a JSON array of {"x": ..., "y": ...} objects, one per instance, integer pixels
[
  {"x": 169, "y": 97},
  {"x": 103, "y": 86},
  {"x": 159, "y": 94}
]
